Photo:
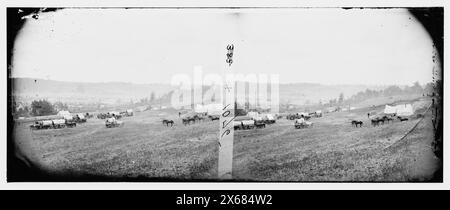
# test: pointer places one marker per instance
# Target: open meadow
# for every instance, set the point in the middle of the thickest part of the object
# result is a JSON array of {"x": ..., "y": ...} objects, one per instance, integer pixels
[{"x": 331, "y": 150}]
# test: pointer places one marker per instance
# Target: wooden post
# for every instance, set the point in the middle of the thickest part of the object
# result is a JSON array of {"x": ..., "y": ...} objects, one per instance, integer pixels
[{"x": 226, "y": 135}]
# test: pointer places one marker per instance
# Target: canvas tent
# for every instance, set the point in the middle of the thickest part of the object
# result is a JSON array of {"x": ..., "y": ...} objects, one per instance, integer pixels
[
  {"x": 63, "y": 113},
  {"x": 253, "y": 114},
  {"x": 390, "y": 109},
  {"x": 399, "y": 110},
  {"x": 211, "y": 109},
  {"x": 405, "y": 110}
]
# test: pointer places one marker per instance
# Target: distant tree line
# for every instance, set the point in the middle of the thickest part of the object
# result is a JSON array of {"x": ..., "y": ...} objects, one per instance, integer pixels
[
  {"x": 38, "y": 108},
  {"x": 392, "y": 90}
]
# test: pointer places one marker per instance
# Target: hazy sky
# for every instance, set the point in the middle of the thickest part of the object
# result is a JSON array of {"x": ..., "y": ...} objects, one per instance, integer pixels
[{"x": 328, "y": 46}]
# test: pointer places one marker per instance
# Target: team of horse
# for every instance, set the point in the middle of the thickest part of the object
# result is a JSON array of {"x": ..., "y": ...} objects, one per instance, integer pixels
[
  {"x": 377, "y": 121},
  {"x": 191, "y": 119},
  {"x": 197, "y": 118},
  {"x": 167, "y": 122},
  {"x": 381, "y": 120}
]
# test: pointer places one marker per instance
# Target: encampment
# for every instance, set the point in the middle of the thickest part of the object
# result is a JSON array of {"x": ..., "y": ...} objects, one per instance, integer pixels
[
  {"x": 405, "y": 110},
  {"x": 253, "y": 114},
  {"x": 211, "y": 109},
  {"x": 390, "y": 109},
  {"x": 63, "y": 113},
  {"x": 399, "y": 110}
]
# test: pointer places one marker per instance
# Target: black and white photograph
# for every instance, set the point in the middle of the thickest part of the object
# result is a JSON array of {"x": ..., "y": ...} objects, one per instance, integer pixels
[{"x": 225, "y": 94}]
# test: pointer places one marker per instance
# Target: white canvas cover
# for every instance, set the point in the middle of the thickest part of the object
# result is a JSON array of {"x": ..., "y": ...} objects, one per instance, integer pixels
[
  {"x": 258, "y": 118},
  {"x": 46, "y": 122},
  {"x": 115, "y": 113},
  {"x": 211, "y": 109},
  {"x": 248, "y": 122},
  {"x": 405, "y": 110},
  {"x": 59, "y": 122},
  {"x": 303, "y": 113},
  {"x": 63, "y": 113},
  {"x": 68, "y": 117},
  {"x": 400, "y": 110},
  {"x": 253, "y": 114},
  {"x": 299, "y": 121},
  {"x": 390, "y": 109},
  {"x": 243, "y": 122},
  {"x": 236, "y": 123},
  {"x": 200, "y": 108},
  {"x": 269, "y": 117},
  {"x": 214, "y": 109}
]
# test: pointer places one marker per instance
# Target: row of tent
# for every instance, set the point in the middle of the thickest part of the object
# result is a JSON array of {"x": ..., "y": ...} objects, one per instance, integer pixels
[
  {"x": 258, "y": 116},
  {"x": 68, "y": 116},
  {"x": 211, "y": 109},
  {"x": 399, "y": 110},
  {"x": 338, "y": 109}
]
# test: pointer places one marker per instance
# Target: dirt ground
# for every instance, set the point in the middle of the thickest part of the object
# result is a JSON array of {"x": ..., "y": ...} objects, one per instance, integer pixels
[{"x": 331, "y": 150}]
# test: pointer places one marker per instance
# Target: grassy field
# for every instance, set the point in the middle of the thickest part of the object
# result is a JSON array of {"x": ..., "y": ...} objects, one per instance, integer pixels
[{"x": 331, "y": 150}]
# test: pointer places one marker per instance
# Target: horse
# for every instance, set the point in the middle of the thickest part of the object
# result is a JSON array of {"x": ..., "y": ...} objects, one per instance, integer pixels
[
  {"x": 356, "y": 123},
  {"x": 213, "y": 117},
  {"x": 185, "y": 121},
  {"x": 169, "y": 122},
  {"x": 191, "y": 119},
  {"x": 188, "y": 120},
  {"x": 260, "y": 125},
  {"x": 306, "y": 117},
  {"x": 388, "y": 119},
  {"x": 402, "y": 119},
  {"x": 374, "y": 122},
  {"x": 377, "y": 121},
  {"x": 198, "y": 118}
]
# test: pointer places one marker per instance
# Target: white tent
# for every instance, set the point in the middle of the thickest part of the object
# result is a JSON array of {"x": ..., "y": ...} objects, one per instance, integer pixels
[
  {"x": 269, "y": 117},
  {"x": 253, "y": 114},
  {"x": 390, "y": 109},
  {"x": 405, "y": 110},
  {"x": 211, "y": 109},
  {"x": 200, "y": 108},
  {"x": 68, "y": 117},
  {"x": 400, "y": 110},
  {"x": 63, "y": 113}
]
